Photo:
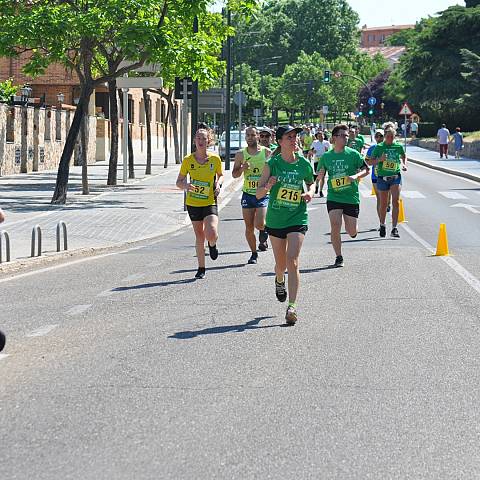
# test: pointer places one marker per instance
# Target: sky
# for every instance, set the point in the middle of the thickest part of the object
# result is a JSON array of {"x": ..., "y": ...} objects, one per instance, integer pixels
[{"x": 377, "y": 13}]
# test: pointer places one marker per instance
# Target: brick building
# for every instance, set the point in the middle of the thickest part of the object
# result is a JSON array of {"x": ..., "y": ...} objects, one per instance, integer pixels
[
  {"x": 376, "y": 36},
  {"x": 373, "y": 42}
]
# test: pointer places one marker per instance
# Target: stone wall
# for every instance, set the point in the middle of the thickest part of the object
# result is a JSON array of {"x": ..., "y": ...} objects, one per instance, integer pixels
[
  {"x": 470, "y": 150},
  {"x": 32, "y": 139}
]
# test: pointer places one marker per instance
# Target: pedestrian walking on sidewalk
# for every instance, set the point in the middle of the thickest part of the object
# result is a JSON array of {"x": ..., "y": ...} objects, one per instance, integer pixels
[
  {"x": 458, "y": 142},
  {"x": 206, "y": 177},
  {"x": 287, "y": 218},
  {"x": 443, "y": 137}
]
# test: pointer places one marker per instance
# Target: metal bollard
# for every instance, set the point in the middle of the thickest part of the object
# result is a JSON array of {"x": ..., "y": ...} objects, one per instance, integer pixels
[
  {"x": 36, "y": 235},
  {"x": 63, "y": 226},
  {"x": 4, "y": 234}
]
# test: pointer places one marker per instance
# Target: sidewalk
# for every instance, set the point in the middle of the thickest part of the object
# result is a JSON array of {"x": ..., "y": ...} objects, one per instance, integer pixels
[
  {"x": 464, "y": 167},
  {"x": 148, "y": 206}
]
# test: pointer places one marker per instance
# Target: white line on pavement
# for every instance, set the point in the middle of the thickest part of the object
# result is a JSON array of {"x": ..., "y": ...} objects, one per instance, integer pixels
[
  {"x": 78, "y": 309},
  {"x": 473, "y": 281},
  {"x": 42, "y": 331},
  {"x": 453, "y": 195},
  {"x": 3, "y": 355},
  {"x": 412, "y": 194}
]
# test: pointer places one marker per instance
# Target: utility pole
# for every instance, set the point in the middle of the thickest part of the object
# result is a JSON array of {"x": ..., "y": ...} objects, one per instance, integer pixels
[{"x": 228, "y": 94}]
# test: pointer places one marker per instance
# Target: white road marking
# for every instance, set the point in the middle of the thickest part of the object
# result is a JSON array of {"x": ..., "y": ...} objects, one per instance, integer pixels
[
  {"x": 473, "y": 281},
  {"x": 78, "y": 309},
  {"x": 470, "y": 208},
  {"x": 4, "y": 355},
  {"x": 134, "y": 277},
  {"x": 42, "y": 331},
  {"x": 412, "y": 194},
  {"x": 453, "y": 195}
]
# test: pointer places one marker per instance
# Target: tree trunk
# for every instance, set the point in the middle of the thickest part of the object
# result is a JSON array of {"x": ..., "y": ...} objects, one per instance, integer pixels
[
  {"x": 83, "y": 158},
  {"x": 61, "y": 187},
  {"x": 146, "y": 101},
  {"x": 113, "y": 161}
]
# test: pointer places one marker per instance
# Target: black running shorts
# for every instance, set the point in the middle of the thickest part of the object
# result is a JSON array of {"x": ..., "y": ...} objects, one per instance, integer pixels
[
  {"x": 350, "y": 209},
  {"x": 282, "y": 232},
  {"x": 197, "y": 214}
]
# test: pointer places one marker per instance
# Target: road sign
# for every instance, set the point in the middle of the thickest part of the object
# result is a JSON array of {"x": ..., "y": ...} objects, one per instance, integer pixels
[
  {"x": 372, "y": 101},
  {"x": 405, "y": 110},
  {"x": 240, "y": 97},
  {"x": 325, "y": 109},
  {"x": 139, "y": 82}
]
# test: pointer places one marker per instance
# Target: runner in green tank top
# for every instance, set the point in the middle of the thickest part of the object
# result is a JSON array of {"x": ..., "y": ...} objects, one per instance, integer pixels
[
  {"x": 284, "y": 176},
  {"x": 250, "y": 162}
]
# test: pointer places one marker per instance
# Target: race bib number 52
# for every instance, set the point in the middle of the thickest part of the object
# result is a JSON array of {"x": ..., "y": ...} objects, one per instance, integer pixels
[{"x": 202, "y": 190}]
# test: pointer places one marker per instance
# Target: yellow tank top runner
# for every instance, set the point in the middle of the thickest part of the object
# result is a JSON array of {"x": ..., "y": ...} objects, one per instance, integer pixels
[{"x": 252, "y": 175}]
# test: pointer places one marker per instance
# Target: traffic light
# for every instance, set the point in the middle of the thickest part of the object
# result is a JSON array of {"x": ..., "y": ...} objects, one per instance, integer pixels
[
  {"x": 360, "y": 113},
  {"x": 179, "y": 88},
  {"x": 326, "y": 76},
  {"x": 370, "y": 112}
]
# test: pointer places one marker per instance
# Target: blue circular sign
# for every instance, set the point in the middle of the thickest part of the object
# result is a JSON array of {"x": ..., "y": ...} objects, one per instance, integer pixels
[{"x": 372, "y": 101}]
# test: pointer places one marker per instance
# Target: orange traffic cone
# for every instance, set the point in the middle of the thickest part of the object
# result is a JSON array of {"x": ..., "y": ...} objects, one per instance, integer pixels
[
  {"x": 442, "y": 243},
  {"x": 401, "y": 212}
]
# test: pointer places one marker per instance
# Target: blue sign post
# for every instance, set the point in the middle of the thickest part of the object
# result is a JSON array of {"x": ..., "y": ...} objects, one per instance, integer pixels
[{"x": 372, "y": 101}]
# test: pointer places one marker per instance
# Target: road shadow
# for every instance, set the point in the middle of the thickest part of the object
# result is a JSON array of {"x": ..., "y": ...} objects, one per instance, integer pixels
[
  {"x": 232, "y": 219},
  {"x": 360, "y": 231},
  {"x": 222, "y": 267},
  {"x": 251, "y": 325},
  {"x": 154, "y": 285},
  {"x": 234, "y": 253}
]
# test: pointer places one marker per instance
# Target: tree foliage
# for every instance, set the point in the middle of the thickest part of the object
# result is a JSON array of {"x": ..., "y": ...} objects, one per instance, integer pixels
[
  {"x": 430, "y": 73},
  {"x": 7, "y": 90},
  {"x": 287, "y": 27}
]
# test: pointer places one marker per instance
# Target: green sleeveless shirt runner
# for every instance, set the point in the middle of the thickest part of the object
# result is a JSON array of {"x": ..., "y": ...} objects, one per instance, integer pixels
[{"x": 252, "y": 175}]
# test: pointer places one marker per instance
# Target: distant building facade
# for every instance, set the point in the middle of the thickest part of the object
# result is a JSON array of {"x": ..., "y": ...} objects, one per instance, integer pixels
[{"x": 373, "y": 42}]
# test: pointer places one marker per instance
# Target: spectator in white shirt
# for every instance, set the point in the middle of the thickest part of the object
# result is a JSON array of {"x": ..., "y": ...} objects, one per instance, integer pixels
[{"x": 443, "y": 137}]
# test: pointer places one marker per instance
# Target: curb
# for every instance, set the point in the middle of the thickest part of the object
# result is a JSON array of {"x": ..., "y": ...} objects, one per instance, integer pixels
[
  {"x": 457, "y": 173},
  {"x": 28, "y": 264}
]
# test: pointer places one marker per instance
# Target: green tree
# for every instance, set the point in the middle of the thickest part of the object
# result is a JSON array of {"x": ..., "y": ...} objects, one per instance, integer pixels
[
  {"x": 429, "y": 74},
  {"x": 471, "y": 73},
  {"x": 92, "y": 38},
  {"x": 290, "y": 26},
  {"x": 7, "y": 90}
]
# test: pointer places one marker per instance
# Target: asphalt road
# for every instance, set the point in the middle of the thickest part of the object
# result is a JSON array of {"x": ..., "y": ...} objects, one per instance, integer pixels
[{"x": 123, "y": 367}]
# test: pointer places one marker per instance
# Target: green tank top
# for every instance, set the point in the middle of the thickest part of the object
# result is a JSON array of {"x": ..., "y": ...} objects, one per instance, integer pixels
[{"x": 252, "y": 175}]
